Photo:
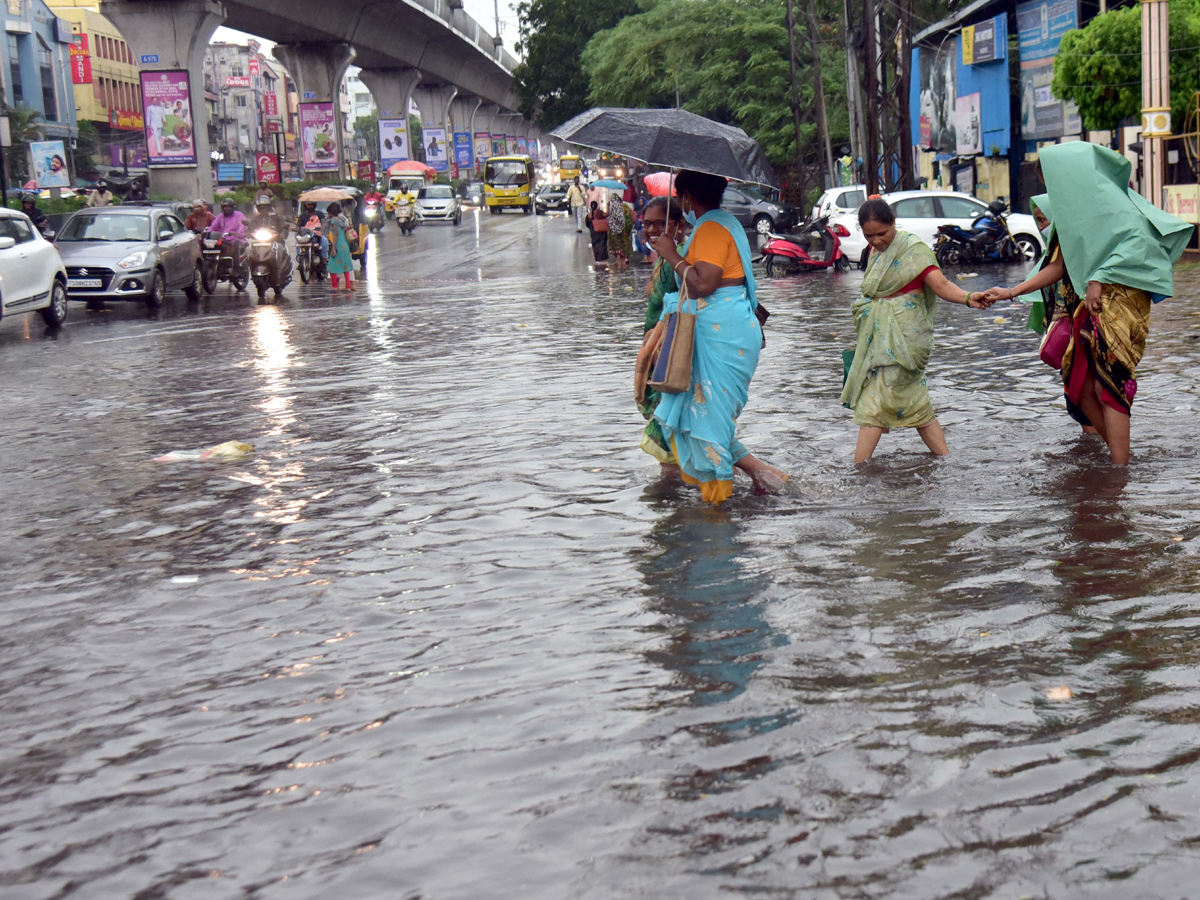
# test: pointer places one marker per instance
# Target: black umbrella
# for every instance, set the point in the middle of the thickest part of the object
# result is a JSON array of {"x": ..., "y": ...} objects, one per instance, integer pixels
[{"x": 671, "y": 137}]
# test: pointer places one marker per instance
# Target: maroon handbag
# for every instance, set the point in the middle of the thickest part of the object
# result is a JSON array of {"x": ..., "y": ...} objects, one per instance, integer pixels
[{"x": 1056, "y": 341}]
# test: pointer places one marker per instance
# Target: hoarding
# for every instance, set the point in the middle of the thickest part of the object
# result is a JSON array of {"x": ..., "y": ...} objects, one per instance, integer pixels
[
  {"x": 483, "y": 148},
  {"x": 436, "y": 155},
  {"x": 499, "y": 145},
  {"x": 1040, "y": 27},
  {"x": 167, "y": 114},
  {"x": 266, "y": 166},
  {"x": 393, "y": 141},
  {"x": 939, "y": 93},
  {"x": 318, "y": 137},
  {"x": 968, "y": 129},
  {"x": 50, "y": 164},
  {"x": 237, "y": 81},
  {"x": 464, "y": 152},
  {"x": 231, "y": 173},
  {"x": 126, "y": 120},
  {"x": 366, "y": 170},
  {"x": 984, "y": 42},
  {"x": 81, "y": 60}
]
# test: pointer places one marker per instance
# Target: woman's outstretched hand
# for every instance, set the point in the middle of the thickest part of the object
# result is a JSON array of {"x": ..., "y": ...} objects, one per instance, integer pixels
[
  {"x": 977, "y": 300},
  {"x": 998, "y": 293}
]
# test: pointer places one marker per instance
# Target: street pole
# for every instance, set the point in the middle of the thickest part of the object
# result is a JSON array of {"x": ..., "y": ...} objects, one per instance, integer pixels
[
  {"x": 819, "y": 85},
  {"x": 1156, "y": 97},
  {"x": 796, "y": 122},
  {"x": 871, "y": 151},
  {"x": 853, "y": 88}
]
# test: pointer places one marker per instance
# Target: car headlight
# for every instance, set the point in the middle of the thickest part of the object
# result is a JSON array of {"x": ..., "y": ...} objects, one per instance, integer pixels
[
  {"x": 134, "y": 260},
  {"x": 263, "y": 234}
]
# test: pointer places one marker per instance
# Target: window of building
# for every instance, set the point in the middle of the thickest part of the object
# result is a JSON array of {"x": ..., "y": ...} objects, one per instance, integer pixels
[
  {"x": 97, "y": 91},
  {"x": 16, "y": 7},
  {"x": 49, "y": 91},
  {"x": 240, "y": 99},
  {"x": 14, "y": 66},
  {"x": 236, "y": 70}
]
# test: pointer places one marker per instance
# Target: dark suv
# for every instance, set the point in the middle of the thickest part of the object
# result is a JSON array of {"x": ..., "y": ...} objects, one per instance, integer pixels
[{"x": 756, "y": 212}]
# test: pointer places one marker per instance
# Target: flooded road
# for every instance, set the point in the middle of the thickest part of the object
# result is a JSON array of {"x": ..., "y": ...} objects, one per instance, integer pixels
[{"x": 445, "y": 634}]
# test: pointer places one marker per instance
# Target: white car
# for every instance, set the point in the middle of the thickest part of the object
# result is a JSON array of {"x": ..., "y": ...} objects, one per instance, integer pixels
[
  {"x": 437, "y": 203},
  {"x": 921, "y": 212},
  {"x": 839, "y": 201},
  {"x": 32, "y": 275}
]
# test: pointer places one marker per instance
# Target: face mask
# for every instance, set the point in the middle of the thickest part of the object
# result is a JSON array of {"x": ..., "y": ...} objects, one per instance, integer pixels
[
  {"x": 1046, "y": 231},
  {"x": 690, "y": 217}
]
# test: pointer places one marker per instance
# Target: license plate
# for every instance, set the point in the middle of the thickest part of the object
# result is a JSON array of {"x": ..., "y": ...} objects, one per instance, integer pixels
[{"x": 85, "y": 282}]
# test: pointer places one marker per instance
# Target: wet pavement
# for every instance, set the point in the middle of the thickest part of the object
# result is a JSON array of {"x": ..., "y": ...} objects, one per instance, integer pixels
[{"x": 446, "y": 634}]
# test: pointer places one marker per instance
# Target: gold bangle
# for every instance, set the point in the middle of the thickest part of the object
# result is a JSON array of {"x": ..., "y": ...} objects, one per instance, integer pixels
[{"x": 967, "y": 302}]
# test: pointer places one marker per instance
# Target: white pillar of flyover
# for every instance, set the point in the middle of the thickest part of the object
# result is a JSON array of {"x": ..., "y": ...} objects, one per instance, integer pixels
[
  {"x": 172, "y": 35},
  {"x": 434, "y": 103},
  {"x": 476, "y": 118},
  {"x": 317, "y": 70},
  {"x": 460, "y": 110},
  {"x": 391, "y": 89},
  {"x": 498, "y": 124}
]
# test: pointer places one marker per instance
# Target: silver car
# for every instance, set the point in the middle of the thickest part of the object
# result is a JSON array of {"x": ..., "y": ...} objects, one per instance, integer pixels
[
  {"x": 437, "y": 203},
  {"x": 129, "y": 253}
]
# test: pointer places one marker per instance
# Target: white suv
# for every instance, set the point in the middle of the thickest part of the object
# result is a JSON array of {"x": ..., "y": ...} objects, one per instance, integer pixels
[{"x": 32, "y": 276}]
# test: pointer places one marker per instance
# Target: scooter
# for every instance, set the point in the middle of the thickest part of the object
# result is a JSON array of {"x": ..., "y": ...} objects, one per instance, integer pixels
[
  {"x": 309, "y": 263},
  {"x": 373, "y": 215},
  {"x": 406, "y": 216},
  {"x": 787, "y": 254},
  {"x": 270, "y": 263},
  {"x": 222, "y": 259}
]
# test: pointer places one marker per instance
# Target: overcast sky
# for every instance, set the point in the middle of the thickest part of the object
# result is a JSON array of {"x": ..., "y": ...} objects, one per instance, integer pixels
[{"x": 483, "y": 11}]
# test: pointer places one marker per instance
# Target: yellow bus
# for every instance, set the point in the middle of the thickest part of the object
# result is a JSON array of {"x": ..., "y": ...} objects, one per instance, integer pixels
[
  {"x": 569, "y": 167},
  {"x": 508, "y": 182}
]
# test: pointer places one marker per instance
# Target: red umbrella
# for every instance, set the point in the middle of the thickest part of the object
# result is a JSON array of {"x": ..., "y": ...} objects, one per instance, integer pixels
[
  {"x": 412, "y": 165},
  {"x": 659, "y": 183}
]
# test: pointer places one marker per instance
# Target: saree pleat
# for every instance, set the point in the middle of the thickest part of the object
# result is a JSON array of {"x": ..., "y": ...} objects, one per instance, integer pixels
[{"x": 1109, "y": 345}]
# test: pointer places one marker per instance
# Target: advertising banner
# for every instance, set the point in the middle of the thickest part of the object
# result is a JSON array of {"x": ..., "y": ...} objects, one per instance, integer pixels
[
  {"x": 464, "y": 152},
  {"x": 393, "y": 141},
  {"x": 318, "y": 139},
  {"x": 270, "y": 104},
  {"x": 483, "y": 148},
  {"x": 231, "y": 173},
  {"x": 167, "y": 113},
  {"x": 273, "y": 126},
  {"x": 1040, "y": 27},
  {"x": 967, "y": 128},
  {"x": 133, "y": 155},
  {"x": 253, "y": 66},
  {"x": 237, "y": 81},
  {"x": 81, "y": 60},
  {"x": 50, "y": 164},
  {"x": 266, "y": 167},
  {"x": 1183, "y": 201},
  {"x": 366, "y": 170},
  {"x": 499, "y": 145},
  {"x": 513, "y": 146},
  {"x": 436, "y": 154},
  {"x": 984, "y": 42},
  {"x": 126, "y": 120},
  {"x": 939, "y": 92}
]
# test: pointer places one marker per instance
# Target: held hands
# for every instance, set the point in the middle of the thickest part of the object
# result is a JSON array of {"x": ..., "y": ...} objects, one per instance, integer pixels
[
  {"x": 976, "y": 300},
  {"x": 997, "y": 293}
]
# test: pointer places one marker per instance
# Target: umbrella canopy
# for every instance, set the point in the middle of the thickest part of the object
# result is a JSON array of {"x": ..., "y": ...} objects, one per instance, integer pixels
[
  {"x": 610, "y": 184},
  {"x": 674, "y": 138},
  {"x": 412, "y": 166},
  {"x": 659, "y": 184},
  {"x": 322, "y": 194}
]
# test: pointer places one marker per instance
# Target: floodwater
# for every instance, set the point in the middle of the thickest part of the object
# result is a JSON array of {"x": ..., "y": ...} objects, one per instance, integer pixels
[{"x": 446, "y": 634}]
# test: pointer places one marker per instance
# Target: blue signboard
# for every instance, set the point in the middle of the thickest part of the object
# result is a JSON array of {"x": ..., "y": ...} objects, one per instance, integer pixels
[
  {"x": 309, "y": 95},
  {"x": 231, "y": 173},
  {"x": 1040, "y": 27},
  {"x": 464, "y": 150},
  {"x": 149, "y": 59}
]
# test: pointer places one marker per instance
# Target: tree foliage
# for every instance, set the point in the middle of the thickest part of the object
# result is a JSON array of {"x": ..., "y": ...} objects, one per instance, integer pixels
[
  {"x": 549, "y": 81},
  {"x": 1099, "y": 66},
  {"x": 724, "y": 59}
]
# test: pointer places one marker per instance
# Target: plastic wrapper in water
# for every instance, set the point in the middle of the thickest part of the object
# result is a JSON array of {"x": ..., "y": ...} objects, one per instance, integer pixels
[{"x": 227, "y": 450}]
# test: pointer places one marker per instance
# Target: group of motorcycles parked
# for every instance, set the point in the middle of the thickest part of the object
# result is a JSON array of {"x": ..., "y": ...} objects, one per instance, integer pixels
[{"x": 816, "y": 244}]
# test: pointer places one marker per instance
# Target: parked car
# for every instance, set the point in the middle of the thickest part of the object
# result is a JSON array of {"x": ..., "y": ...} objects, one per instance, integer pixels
[
  {"x": 436, "y": 202},
  {"x": 470, "y": 193},
  {"x": 756, "y": 212},
  {"x": 921, "y": 212},
  {"x": 551, "y": 196},
  {"x": 129, "y": 253},
  {"x": 32, "y": 275},
  {"x": 840, "y": 200}
]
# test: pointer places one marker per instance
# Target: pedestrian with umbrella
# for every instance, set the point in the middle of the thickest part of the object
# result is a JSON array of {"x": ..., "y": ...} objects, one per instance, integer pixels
[{"x": 699, "y": 423}]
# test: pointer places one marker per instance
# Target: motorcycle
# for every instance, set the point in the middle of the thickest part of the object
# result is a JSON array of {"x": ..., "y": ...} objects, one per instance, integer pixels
[
  {"x": 814, "y": 245},
  {"x": 406, "y": 216},
  {"x": 989, "y": 239},
  {"x": 270, "y": 263},
  {"x": 373, "y": 216},
  {"x": 309, "y": 263},
  {"x": 221, "y": 259}
]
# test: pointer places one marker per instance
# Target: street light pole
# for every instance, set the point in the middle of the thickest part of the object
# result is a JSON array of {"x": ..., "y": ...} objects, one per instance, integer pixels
[{"x": 1156, "y": 97}]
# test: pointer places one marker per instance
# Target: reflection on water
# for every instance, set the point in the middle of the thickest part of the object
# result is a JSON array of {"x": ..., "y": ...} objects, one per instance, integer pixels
[{"x": 446, "y": 634}]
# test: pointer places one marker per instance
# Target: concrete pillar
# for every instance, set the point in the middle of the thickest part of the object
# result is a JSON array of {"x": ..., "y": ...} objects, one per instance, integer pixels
[
  {"x": 391, "y": 89},
  {"x": 498, "y": 124},
  {"x": 434, "y": 102},
  {"x": 317, "y": 69},
  {"x": 177, "y": 32},
  {"x": 476, "y": 120}
]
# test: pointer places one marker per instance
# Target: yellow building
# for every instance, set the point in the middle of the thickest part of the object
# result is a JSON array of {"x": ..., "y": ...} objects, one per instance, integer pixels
[{"x": 107, "y": 85}]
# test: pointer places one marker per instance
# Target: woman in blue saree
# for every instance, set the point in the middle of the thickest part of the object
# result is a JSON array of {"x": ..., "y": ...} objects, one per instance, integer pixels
[{"x": 700, "y": 423}]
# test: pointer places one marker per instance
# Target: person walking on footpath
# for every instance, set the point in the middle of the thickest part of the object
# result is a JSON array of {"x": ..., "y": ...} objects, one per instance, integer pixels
[{"x": 578, "y": 204}]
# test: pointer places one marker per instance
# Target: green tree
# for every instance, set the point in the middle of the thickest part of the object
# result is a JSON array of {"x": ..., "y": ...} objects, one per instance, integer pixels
[
  {"x": 553, "y": 34},
  {"x": 87, "y": 146},
  {"x": 1098, "y": 66},
  {"x": 25, "y": 126},
  {"x": 367, "y": 128}
]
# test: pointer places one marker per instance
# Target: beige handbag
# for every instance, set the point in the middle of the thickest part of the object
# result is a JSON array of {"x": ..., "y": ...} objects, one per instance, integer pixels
[{"x": 673, "y": 372}]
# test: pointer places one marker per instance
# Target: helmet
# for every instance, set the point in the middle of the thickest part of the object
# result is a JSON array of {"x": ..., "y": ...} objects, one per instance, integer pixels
[
  {"x": 28, "y": 198},
  {"x": 227, "y": 203}
]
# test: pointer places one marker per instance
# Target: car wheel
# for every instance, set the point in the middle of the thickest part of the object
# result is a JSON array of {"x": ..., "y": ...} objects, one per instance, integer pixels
[
  {"x": 158, "y": 290},
  {"x": 763, "y": 224},
  {"x": 56, "y": 312},
  {"x": 193, "y": 289},
  {"x": 1027, "y": 248}
]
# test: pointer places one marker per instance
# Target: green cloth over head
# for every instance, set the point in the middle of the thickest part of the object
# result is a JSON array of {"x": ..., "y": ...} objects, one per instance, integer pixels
[
  {"x": 1109, "y": 233},
  {"x": 1037, "y": 313}
]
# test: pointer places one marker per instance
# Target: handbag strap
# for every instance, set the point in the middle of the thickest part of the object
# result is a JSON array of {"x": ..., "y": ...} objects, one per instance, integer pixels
[{"x": 683, "y": 292}]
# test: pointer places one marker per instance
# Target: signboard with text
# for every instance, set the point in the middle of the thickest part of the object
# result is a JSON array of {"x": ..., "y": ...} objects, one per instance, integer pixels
[
  {"x": 366, "y": 170},
  {"x": 393, "y": 141},
  {"x": 1040, "y": 27},
  {"x": 81, "y": 60},
  {"x": 984, "y": 42},
  {"x": 270, "y": 104},
  {"x": 464, "y": 152},
  {"x": 318, "y": 137},
  {"x": 126, "y": 120},
  {"x": 266, "y": 167},
  {"x": 167, "y": 114},
  {"x": 237, "y": 81},
  {"x": 436, "y": 152},
  {"x": 483, "y": 148}
]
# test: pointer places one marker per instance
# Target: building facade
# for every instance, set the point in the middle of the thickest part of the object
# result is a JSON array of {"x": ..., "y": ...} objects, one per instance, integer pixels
[
  {"x": 36, "y": 66},
  {"x": 249, "y": 96}
]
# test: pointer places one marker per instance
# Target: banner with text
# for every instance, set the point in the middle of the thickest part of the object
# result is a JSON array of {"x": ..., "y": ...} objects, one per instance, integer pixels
[
  {"x": 464, "y": 152},
  {"x": 167, "y": 114},
  {"x": 81, "y": 60},
  {"x": 393, "y": 142},
  {"x": 436, "y": 153},
  {"x": 318, "y": 137}
]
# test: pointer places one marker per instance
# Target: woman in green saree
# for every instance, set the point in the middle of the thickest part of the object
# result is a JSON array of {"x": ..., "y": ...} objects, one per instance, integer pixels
[{"x": 885, "y": 384}]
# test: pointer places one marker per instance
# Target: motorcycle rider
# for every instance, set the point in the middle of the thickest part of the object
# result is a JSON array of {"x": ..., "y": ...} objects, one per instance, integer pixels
[
  {"x": 314, "y": 220},
  {"x": 266, "y": 217},
  {"x": 36, "y": 216},
  {"x": 199, "y": 218},
  {"x": 232, "y": 223}
]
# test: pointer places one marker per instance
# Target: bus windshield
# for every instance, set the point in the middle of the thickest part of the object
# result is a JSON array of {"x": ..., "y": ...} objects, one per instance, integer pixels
[{"x": 506, "y": 172}]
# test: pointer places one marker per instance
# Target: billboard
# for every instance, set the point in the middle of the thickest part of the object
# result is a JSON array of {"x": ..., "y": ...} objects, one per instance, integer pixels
[
  {"x": 318, "y": 137},
  {"x": 436, "y": 152},
  {"x": 167, "y": 113},
  {"x": 50, "y": 164},
  {"x": 939, "y": 93},
  {"x": 968, "y": 129},
  {"x": 483, "y": 148},
  {"x": 984, "y": 42},
  {"x": 266, "y": 167},
  {"x": 464, "y": 151},
  {"x": 499, "y": 145},
  {"x": 126, "y": 120},
  {"x": 1040, "y": 27},
  {"x": 81, "y": 60},
  {"x": 393, "y": 141}
]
